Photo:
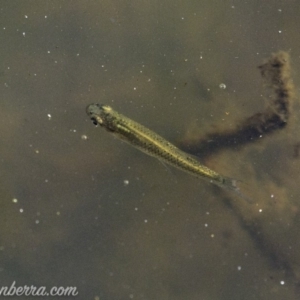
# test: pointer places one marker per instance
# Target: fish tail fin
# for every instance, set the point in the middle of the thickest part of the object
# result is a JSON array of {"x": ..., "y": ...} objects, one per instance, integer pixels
[{"x": 235, "y": 186}]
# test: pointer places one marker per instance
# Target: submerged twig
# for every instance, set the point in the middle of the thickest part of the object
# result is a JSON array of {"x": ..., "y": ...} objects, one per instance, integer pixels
[{"x": 276, "y": 74}]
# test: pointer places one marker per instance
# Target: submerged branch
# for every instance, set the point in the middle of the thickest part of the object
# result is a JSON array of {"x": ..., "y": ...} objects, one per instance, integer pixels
[{"x": 276, "y": 74}]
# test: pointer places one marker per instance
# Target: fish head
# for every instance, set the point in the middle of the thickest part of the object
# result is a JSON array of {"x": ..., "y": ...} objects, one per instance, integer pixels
[{"x": 101, "y": 115}]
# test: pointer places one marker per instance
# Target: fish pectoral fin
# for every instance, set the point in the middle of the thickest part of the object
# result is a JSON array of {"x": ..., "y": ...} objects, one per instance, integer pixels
[{"x": 123, "y": 128}]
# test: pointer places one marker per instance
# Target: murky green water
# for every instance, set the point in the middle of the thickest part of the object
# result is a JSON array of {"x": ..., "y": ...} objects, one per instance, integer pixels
[{"x": 99, "y": 215}]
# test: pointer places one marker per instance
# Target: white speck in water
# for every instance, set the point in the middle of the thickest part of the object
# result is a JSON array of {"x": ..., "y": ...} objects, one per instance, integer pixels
[
  {"x": 212, "y": 235},
  {"x": 146, "y": 221},
  {"x": 37, "y": 221},
  {"x": 134, "y": 88},
  {"x": 46, "y": 17},
  {"x": 279, "y": 31},
  {"x": 282, "y": 282},
  {"x": 260, "y": 210},
  {"x": 222, "y": 86},
  {"x": 15, "y": 200},
  {"x": 279, "y": 10},
  {"x": 136, "y": 209},
  {"x": 26, "y": 17},
  {"x": 272, "y": 196},
  {"x": 84, "y": 137},
  {"x": 23, "y": 33},
  {"x": 48, "y": 52},
  {"x": 49, "y": 116},
  {"x": 239, "y": 268},
  {"x": 126, "y": 182},
  {"x": 21, "y": 210},
  {"x": 37, "y": 151},
  {"x": 206, "y": 225},
  {"x": 131, "y": 296},
  {"x": 58, "y": 213}
]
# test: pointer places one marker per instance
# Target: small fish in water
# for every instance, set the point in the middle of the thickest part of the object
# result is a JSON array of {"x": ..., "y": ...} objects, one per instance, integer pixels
[{"x": 153, "y": 144}]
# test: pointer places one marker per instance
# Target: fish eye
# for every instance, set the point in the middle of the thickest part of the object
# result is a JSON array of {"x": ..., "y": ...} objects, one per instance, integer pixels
[{"x": 94, "y": 121}]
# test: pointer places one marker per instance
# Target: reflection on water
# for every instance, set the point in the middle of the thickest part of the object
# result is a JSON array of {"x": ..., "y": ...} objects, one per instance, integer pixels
[{"x": 97, "y": 214}]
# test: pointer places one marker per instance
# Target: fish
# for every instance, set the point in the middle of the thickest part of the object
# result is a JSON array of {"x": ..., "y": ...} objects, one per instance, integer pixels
[{"x": 156, "y": 146}]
